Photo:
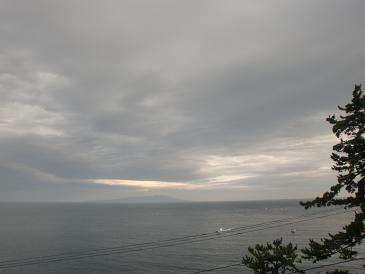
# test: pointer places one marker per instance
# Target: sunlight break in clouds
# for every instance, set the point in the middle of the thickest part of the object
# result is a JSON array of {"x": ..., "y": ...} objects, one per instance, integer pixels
[
  {"x": 210, "y": 183},
  {"x": 144, "y": 184}
]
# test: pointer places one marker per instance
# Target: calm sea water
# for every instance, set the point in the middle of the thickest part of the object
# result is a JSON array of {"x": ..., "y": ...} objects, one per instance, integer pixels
[{"x": 41, "y": 229}]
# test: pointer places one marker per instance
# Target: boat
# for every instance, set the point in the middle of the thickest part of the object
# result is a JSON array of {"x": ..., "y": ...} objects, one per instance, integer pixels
[{"x": 222, "y": 229}]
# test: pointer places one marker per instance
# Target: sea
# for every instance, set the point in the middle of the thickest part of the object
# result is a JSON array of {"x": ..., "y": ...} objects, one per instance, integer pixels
[{"x": 156, "y": 238}]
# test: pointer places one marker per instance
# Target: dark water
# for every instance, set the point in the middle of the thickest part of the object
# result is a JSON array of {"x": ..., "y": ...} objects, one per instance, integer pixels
[{"x": 29, "y": 230}]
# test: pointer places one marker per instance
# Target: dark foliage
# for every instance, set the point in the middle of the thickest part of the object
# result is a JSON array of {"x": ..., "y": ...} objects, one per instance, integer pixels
[
  {"x": 272, "y": 258},
  {"x": 349, "y": 163}
]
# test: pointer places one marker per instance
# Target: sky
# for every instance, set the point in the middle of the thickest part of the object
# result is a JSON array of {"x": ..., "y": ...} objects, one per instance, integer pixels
[{"x": 199, "y": 100}]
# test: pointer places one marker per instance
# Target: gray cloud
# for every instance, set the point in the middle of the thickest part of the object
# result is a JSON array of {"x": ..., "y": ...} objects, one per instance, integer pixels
[{"x": 227, "y": 97}]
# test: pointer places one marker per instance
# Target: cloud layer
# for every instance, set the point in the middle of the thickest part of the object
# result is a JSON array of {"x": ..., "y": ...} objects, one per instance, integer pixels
[{"x": 202, "y": 100}]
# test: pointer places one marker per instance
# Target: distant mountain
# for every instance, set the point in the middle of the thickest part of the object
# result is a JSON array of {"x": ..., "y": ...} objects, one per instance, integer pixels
[{"x": 155, "y": 199}]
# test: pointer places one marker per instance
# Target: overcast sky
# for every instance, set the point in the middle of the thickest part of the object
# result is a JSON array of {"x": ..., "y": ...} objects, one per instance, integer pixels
[{"x": 200, "y": 100}]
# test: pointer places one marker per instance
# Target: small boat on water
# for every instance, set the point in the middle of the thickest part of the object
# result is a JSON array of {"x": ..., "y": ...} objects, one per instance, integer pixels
[{"x": 222, "y": 229}]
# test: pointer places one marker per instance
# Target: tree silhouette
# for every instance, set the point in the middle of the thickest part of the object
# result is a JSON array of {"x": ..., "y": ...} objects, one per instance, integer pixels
[
  {"x": 349, "y": 163},
  {"x": 272, "y": 258}
]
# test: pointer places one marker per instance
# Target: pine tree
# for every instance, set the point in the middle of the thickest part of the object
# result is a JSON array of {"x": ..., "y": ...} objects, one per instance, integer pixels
[
  {"x": 349, "y": 162},
  {"x": 272, "y": 258}
]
